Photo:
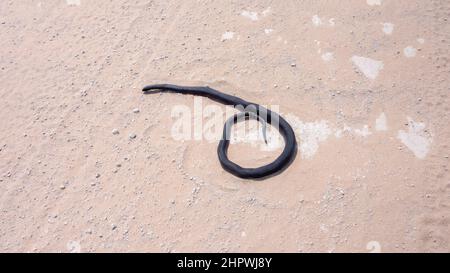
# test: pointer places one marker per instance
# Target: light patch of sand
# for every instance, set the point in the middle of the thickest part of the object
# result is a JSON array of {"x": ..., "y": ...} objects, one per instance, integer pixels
[
  {"x": 361, "y": 132},
  {"x": 381, "y": 123},
  {"x": 374, "y": 2},
  {"x": 73, "y": 2},
  {"x": 252, "y": 15},
  {"x": 309, "y": 134},
  {"x": 416, "y": 139},
  {"x": 388, "y": 28},
  {"x": 316, "y": 20},
  {"x": 369, "y": 67},
  {"x": 227, "y": 36},
  {"x": 410, "y": 52},
  {"x": 327, "y": 56}
]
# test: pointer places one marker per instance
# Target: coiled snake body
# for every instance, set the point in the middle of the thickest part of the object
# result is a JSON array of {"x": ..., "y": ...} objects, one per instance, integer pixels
[{"x": 251, "y": 110}]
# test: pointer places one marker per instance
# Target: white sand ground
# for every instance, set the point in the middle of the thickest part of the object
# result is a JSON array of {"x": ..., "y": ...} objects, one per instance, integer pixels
[{"x": 365, "y": 84}]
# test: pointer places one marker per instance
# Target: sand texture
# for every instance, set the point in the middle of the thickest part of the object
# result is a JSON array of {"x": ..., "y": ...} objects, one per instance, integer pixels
[{"x": 90, "y": 164}]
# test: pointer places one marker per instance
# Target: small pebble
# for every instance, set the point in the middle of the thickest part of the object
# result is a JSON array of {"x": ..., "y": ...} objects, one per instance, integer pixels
[
  {"x": 115, "y": 132},
  {"x": 113, "y": 226},
  {"x": 97, "y": 175},
  {"x": 62, "y": 187},
  {"x": 136, "y": 110},
  {"x": 132, "y": 136}
]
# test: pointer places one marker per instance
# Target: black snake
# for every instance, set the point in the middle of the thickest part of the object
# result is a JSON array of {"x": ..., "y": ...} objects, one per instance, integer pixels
[{"x": 251, "y": 110}]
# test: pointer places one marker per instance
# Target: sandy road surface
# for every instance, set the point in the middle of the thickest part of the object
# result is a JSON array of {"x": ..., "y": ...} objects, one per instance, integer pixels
[{"x": 365, "y": 85}]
